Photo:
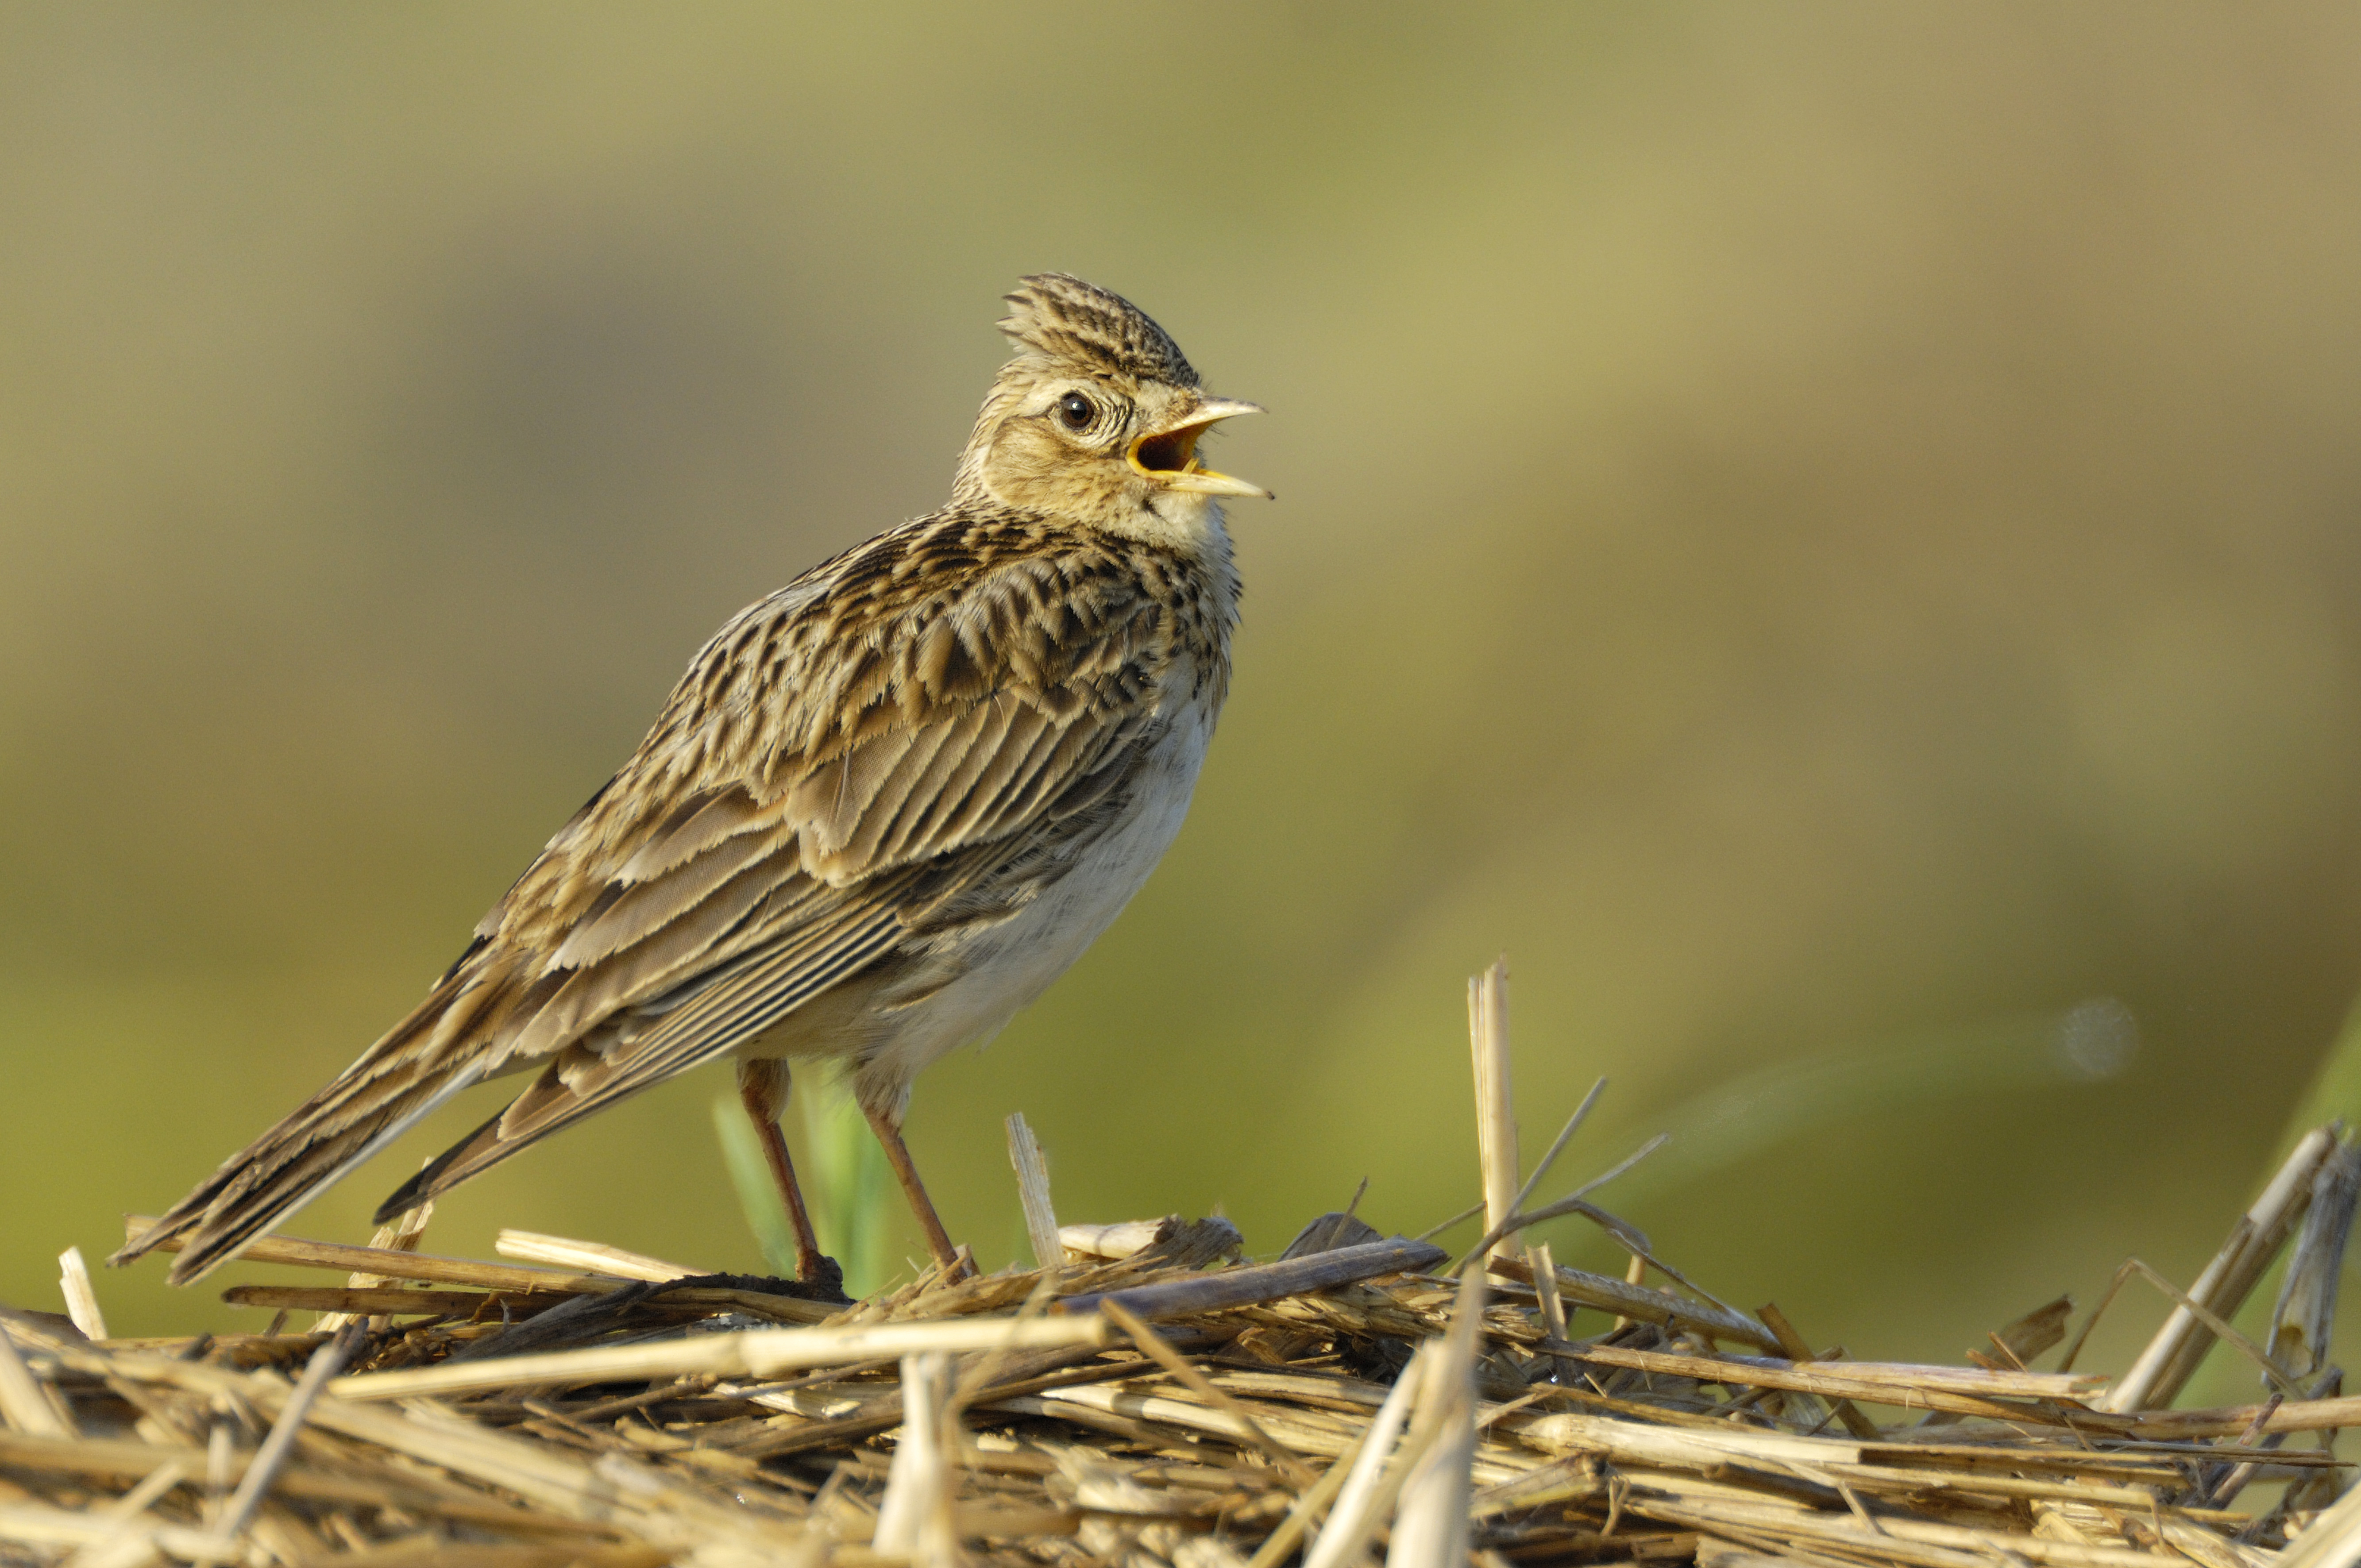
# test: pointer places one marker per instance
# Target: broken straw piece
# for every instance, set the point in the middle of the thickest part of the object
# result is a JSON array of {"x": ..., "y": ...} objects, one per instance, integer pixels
[
  {"x": 1496, "y": 1114},
  {"x": 82, "y": 1301},
  {"x": 2166, "y": 1365},
  {"x": 1033, "y": 1194},
  {"x": 564, "y": 1252}
]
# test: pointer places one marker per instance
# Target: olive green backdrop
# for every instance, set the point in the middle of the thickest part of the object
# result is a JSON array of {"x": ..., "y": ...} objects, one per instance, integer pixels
[{"x": 1831, "y": 533}]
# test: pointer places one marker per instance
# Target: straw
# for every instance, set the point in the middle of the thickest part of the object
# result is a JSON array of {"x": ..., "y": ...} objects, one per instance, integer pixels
[
  {"x": 915, "y": 1518},
  {"x": 2172, "y": 1355},
  {"x": 759, "y": 1353},
  {"x": 82, "y": 1301},
  {"x": 265, "y": 1465},
  {"x": 589, "y": 1257},
  {"x": 1431, "y": 1529},
  {"x": 398, "y": 1265},
  {"x": 2305, "y": 1313},
  {"x": 24, "y": 1404},
  {"x": 404, "y": 1235},
  {"x": 1156, "y": 1404},
  {"x": 1033, "y": 1193},
  {"x": 1267, "y": 1282},
  {"x": 1496, "y": 1116}
]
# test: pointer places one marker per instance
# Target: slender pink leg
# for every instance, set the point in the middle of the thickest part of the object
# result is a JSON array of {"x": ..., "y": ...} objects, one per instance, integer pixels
[
  {"x": 898, "y": 1154},
  {"x": 763, "y": 1086}
]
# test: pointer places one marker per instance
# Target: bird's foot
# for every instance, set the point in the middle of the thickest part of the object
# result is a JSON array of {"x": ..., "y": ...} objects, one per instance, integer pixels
[{"x": 822, "y": 1277}]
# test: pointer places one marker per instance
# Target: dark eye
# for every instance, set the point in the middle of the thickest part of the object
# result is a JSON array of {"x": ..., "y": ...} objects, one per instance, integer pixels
[{"x": 1076, "y": 410}]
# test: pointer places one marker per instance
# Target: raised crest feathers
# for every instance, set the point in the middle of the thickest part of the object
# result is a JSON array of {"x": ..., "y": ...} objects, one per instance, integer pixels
[{"x": 1062, "y": 317}]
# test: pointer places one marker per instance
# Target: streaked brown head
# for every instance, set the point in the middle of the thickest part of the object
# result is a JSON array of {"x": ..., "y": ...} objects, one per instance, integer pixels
[{"x": 1097, "y": 417}]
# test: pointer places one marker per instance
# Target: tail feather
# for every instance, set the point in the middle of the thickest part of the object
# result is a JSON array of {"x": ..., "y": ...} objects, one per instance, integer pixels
[
  {"x": 315, "y": 1146},
  {"x": 579, "y": 1082}
]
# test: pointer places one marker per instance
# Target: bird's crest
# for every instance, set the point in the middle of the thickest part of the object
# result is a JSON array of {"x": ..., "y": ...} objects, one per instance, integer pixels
[{"x": 1058, "y": 315}]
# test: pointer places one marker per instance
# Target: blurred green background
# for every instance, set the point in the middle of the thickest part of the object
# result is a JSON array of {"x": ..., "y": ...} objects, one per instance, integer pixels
[{"x": 1827, "y": 532}]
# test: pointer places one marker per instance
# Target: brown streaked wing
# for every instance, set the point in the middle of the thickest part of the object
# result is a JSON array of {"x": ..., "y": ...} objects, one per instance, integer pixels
[
  {"x": 759, "y": 964},
  {"x": 712, "y": 931},
  {"x": 817, "y": 938},
  {"x": 719, "y": 882},
  {"x": 697, "y": 824},
  {"x": 640, "y": 910},
  {"x": 940, "y": 779},
  {"x": 715, "y": 1013}
]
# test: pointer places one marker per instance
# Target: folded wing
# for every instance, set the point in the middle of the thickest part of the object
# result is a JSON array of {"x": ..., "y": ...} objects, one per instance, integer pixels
[{"x": 829, "y": 777}]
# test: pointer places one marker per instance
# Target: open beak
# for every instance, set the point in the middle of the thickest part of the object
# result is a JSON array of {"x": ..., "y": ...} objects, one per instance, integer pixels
[{"x": 1168, "y": 456}]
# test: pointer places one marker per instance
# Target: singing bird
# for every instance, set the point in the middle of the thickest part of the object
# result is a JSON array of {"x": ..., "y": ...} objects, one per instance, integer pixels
[{"x": 886, "y": 807}]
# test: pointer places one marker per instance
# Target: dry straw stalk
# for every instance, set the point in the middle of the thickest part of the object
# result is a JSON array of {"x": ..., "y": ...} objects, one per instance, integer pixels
[{"x": 1133, "y": 1400}]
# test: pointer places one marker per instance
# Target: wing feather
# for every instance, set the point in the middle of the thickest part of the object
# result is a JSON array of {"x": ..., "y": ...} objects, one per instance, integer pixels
[
  {"x": 704, "y": 820},
  {"x": 643, "y": 909},
  {"x": 723, "y": 1012},
  {"x": 904, "y": 758},
  {"x": 1023, "y": 735},
  {"x": 590, "y": 995}
]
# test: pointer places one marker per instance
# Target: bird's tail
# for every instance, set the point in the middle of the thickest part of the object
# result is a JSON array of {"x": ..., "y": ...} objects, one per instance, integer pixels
[{"x": 373, "y": 1103}]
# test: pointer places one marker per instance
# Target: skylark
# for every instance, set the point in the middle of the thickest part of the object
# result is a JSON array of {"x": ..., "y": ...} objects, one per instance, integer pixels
[{"x": 885, "y": 809}]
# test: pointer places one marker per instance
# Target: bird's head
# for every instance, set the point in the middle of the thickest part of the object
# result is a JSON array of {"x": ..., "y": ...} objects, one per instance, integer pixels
[{"x": 1097, "y": 417}]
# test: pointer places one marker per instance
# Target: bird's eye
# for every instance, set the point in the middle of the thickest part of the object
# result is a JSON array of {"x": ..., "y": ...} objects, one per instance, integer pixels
[{"x": 1076, "y": 410}]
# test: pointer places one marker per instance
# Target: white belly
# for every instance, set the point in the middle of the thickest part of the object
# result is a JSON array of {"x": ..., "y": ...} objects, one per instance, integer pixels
[{"x": 1004, "y": 966}]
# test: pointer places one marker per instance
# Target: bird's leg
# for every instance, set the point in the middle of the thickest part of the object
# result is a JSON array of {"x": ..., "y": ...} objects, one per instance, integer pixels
[
  {"x": 763, "y": 1086},
  {"x": 897, "y": 1153}
]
